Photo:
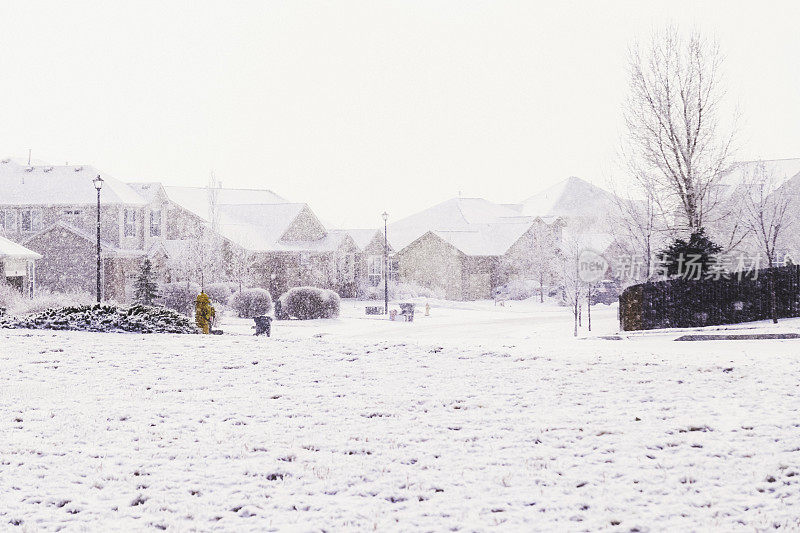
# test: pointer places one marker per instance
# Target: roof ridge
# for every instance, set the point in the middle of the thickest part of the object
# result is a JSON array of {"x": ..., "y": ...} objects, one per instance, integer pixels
[
  {"x": 766, "y": 160},
  {"x": 218, "y": 188},
  {"x": 461, "y": 211},
  {"x": 262, "y": 204}
]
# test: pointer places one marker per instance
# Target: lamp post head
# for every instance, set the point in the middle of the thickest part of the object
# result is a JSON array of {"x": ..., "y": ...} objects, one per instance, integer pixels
[
  {"x": 385, "y": 216},
  {"x": 98, "y": 182}
]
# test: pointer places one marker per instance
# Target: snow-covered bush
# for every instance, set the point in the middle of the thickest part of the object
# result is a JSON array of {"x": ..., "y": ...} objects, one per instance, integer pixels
[
  {"x": 518, "y": 290},
  {"x": 179, "y": 296},
  {"x": 9, "y": 296},
  {"x": 105, "y": 318},
  {"x": 219, "y": 292},
  {"x": 307, "y": 303},
  {"x": 251, "y": 302},
  {"x": 407, "y": 291},
  {"x": 399, "y": 291},
  {"x": 370, "y": 292},
  {"x": 44, "y": 299}
]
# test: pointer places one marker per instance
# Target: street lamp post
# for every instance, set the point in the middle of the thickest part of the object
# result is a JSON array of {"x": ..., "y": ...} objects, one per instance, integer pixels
[
  {"x": 98, "y": 184},
  {"x": 385, "y": 264}
]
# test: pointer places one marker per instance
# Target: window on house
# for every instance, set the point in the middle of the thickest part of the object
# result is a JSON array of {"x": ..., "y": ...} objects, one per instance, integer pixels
[
  {"x": 8, "y": 221},
  {"x": 375, "y": 270},
  {"x": 72, "y": 214},
  {"x": 30, "y": 220},
  {"x": 129, "y": 225},
  {"x": 155, "y": 223},
  {"x": 347, "y": 267}
]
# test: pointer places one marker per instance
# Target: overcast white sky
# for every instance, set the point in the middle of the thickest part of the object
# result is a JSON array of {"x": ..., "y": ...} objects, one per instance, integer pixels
[{"x": 361, "y": 107}]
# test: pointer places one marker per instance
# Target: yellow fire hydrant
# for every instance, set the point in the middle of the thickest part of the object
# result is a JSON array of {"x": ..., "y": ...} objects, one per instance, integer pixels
[{"x": 203, "y": 312}]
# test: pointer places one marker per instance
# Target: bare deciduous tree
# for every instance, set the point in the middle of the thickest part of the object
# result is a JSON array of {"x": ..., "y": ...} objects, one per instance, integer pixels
[
  {"x": 574, "y": 286},
  {"x": 675, "y": 138},
  {"x": 535, "y": 256},
  {"x": 766, "y": 201},
  {"x": 638, "y": 225}
]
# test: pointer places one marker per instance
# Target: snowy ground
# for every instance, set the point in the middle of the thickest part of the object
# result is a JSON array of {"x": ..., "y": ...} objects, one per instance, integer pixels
[{"x": 474, "y": 418}]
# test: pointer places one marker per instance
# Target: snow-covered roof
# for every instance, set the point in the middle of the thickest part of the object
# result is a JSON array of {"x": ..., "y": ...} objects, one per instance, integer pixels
[
  {"x": 782, "y": 169},
  {"x": 197, "y": 199},
  {"x": 255, "y": 219},
  {"x": 148, "y": 191},
  {"x": 362, "y": 237},
  {"x": 454, "y": 215},
  {"x": 572, "y": 197},
  {"x": 485, "y": 239},
  {"x": 12, "y": 250},
  {"x": 257, "y": 227},
  {"x": 262, "y": 228},
  {"x": 576, "y": 242},
  {"x": 60, "y": 185}
]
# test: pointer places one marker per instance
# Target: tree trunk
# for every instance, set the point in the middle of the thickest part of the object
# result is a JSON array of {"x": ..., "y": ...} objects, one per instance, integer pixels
[
  {"x": 773, "y": 297},
  {"x": 541, "y": 290},
  {"x": 589, "y": 307},
  {"x": 575, "y": 316}
]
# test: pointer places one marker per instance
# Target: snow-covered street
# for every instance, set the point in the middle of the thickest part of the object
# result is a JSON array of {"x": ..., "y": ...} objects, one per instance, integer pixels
[{"x": 349, "y": 431}]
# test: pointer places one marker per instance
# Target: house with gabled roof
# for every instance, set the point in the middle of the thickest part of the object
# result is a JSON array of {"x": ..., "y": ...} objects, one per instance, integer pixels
[
  {"x": 580, "y": 204},
  {"x": 69, "y": 261},
  {"x": 457, "y": 246},
  {"x": 375, "y": 257},
  {"x": 274, "y": 243}
]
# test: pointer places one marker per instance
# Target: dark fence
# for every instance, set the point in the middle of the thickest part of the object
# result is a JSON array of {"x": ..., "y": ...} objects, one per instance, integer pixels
[{"x": 681, "y": 303}]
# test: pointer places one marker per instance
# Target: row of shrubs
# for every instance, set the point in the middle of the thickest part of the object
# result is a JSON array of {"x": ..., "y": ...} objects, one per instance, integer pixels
[{"x": 302, "y": 303}]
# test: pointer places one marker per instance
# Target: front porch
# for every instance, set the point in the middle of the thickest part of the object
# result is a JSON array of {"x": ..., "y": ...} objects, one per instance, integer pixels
[{"x": 18, "y": 266}]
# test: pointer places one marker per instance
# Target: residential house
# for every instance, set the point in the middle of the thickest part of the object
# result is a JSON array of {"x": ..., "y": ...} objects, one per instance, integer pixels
[
  {"x": 265, "y": 241},
  {"x": 374, "y": 257},
  {"x": 458, "y": 247},
  {"x": 53, "y": 211}
]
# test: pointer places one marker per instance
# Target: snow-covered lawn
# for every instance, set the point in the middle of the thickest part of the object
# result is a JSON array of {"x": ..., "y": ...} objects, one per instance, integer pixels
[{"x": 473, "y": 418}]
